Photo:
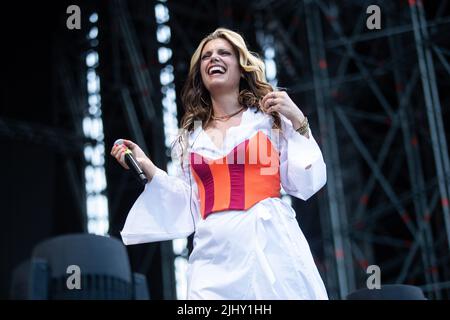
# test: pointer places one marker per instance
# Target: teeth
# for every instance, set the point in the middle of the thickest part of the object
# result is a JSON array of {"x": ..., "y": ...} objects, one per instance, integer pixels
[{"x": 216, "y": 68}]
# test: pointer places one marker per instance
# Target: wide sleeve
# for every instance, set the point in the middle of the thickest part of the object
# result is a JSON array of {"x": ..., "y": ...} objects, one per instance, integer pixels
[
  {"x": 166, "y": 209},
  {"x": 302, "y": 168}
]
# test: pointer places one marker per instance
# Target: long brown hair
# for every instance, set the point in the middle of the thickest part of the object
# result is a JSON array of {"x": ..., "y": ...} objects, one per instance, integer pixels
[{"x": 195, "y": 97}]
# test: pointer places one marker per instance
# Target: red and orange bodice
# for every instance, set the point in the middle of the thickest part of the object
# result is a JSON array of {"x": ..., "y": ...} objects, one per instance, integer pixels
[{"x": 246, "y": 175}]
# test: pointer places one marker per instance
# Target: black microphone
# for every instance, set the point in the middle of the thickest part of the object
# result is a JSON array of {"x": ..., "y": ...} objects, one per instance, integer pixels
[{"x": 132, "y": 163}]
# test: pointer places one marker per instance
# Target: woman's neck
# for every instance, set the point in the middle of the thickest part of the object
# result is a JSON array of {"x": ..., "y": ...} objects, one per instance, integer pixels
[{"x": 225, "y": 104}]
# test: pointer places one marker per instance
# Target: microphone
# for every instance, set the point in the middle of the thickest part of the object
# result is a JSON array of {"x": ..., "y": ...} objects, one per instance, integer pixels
[{"x": 132, "y": 163}]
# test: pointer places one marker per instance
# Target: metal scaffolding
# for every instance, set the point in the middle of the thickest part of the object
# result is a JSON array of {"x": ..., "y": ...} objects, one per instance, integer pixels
[
  {"x": 131, "y": 55},
  {"x": 364, "y": 87}
]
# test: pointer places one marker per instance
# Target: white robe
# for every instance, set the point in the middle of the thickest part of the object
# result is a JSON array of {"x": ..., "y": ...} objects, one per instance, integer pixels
[{"x": 260, "y": 253}]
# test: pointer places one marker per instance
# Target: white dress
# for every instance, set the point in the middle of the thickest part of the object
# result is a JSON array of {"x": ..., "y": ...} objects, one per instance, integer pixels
[{"x": 259, "y": 253}]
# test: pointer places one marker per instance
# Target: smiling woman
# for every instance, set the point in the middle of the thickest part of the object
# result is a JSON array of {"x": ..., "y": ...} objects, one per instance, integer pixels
[
  {"x": 220, "y": 70},
  {"x": 247, "y": 242}
]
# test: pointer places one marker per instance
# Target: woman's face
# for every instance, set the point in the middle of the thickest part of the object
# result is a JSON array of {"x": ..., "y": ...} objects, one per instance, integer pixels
[{"x": 219, "y": 67}]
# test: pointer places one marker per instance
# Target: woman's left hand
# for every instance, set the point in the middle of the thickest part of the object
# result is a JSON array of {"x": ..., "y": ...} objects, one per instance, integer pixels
[{"x": 279, "y": 101}]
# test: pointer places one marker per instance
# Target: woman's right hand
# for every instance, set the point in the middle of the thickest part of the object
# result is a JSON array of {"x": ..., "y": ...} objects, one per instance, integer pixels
[{"x": 118, "y": 152}]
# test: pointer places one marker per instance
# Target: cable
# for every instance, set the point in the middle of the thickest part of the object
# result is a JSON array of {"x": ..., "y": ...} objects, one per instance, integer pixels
[{"x": 190, "y": 181}]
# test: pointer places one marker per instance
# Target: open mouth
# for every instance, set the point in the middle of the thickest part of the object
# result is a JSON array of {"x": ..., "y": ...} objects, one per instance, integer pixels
[{"x": 216, "y": 70}]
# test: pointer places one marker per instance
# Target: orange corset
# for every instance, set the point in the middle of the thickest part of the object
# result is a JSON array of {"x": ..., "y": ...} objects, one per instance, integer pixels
[{"x": 248, "y": 174}]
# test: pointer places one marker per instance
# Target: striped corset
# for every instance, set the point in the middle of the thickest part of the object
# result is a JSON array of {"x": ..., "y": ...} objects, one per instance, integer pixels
[{"x": 248, "y": 174}]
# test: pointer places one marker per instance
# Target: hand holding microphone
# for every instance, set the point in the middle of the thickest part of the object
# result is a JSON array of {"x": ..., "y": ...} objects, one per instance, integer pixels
[{"x": 130, "y": 156}]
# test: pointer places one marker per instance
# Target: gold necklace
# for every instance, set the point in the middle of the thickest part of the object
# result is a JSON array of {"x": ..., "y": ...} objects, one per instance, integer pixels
[{"x": 226, "y": 117}]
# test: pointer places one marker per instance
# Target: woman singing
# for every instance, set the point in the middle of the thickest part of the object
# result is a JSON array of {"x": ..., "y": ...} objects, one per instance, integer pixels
[{"x": 241, "y": 141}]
